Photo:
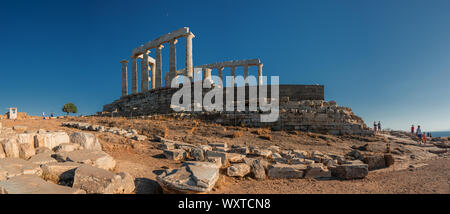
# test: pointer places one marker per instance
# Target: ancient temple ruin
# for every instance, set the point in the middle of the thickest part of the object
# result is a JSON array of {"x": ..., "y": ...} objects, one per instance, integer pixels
[
  {"x": 148, "y": 64},
  {"x": 302, "y": 107}
]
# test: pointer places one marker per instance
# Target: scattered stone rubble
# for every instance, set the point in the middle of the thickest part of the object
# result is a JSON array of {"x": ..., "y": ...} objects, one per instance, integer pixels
[
  {"x": 129, "y": 133},
  {"x": 43, "y": 162},
  {"x": 259, "y": 163}
]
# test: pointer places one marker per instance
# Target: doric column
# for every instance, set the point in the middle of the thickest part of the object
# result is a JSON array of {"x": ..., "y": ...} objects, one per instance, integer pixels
[
  {"x": 172, "y": 57},
  {"x": 260, "y": 80},
  {"x": 133, "y": 75},
  {"x": 207, "y": 76},
  {"x": 189, "y": 61},
  {"x": 233, "y": 74},
  {"x": 124, "y": 78},
  {"x": 144, "y": 69},
  {"x": 220, "y": 73},
  {"x": 246, "y": 74},
  {"x": 153, "y": 76},
  {"x": 158, "y": 62}
]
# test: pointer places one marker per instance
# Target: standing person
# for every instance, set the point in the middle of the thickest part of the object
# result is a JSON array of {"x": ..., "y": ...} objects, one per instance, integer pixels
[
  {"x": 424, "y": 138},
  {"x": 412, "y": 129},
  {"x": 43, "y": 115},
  {"x": 379, "y": 126},
  {"x": 419, "y": 133},
  {"x": 374, "y": 126}
]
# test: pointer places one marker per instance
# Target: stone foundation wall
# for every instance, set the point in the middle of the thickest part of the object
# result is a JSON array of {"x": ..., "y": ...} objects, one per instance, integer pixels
[
  {"x": 301, "y": 108},
  {"x": 158, "y": 101}
]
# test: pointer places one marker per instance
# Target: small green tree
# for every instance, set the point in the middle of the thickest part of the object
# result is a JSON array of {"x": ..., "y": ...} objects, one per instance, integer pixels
[{"x": 70, "y": 108}]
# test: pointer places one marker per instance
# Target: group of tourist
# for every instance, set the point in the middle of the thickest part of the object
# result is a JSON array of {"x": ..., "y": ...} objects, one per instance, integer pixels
[
  {"x": 376, "y": 126},
  {"x": 421, "y": 136}
]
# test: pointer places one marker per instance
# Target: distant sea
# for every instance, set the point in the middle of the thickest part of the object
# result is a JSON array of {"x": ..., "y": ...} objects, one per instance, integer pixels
[{"x": 440, "y": 134}]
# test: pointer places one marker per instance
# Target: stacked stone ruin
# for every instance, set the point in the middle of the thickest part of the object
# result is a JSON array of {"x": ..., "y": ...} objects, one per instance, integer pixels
[
  {"x": 302, "y": 107},
  {"x": 202, "y": 163},
  {"x": 54, "y": 162}
]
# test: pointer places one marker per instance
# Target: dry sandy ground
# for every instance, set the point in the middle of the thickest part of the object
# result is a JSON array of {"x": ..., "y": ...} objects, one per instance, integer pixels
[{"x": 145, "y": 162}]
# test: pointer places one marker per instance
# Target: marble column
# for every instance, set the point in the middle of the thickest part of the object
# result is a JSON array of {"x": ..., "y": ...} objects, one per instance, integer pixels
[
  {"x": 172, "y": 58},
  {"x": 144, "y": 75},
  {"x": 246, "y": 74},
  {"x": 260, "y": 80},
  {"x": 220, "y": 73},
  {"x": 153, "y": 76},
  {"x": 124, "y": 78},
  {"x": 233, "y": 74},
  {"x": 134, "y": 88},
  {"x": 158, "y": 62},
  {"x": 189, "y": 60},
  {"x": 207, "y": 76}
]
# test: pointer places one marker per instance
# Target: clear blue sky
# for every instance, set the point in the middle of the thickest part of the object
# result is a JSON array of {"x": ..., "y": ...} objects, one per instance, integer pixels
[{"x": 388, "y": 60}]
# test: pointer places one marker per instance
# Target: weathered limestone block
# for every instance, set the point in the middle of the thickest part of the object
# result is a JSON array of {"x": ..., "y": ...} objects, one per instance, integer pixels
[
  {"x": 42, "y": 158},
  {"x": 235, "y": 157},
  {"x": 222, "y": 155},
  {"x": 301, "y": 161},
  {"x": 279, "y": 159},
  {"x": 216, "y": 160},
  {"x": 19, "y": 128},
  {"x": 175, "y": 154},
  {"x": 26, "y": 138},
  {"x": 67, "y": 147},
  {"x": 375, "y": 161},
  {"x": 11, "y": 148},
  {"x": 218, "y": 145},
  {"x": 194, "y": 177},
  {"x": 85, "y": 140},
  {"x": 262, "y": 152},
  {"x": 11, "y": 167},
  {"x": 240, "y": 150},
  {"x": 198, "y": 154},
  {"x": 389, "y": 159},
  {"x": 32, "y": 184},
  {"x": 185, "y": 146},
  {"x": 26, "y": 150},
  {"x": 238, "y": 170},
  {"x": 40, "y": 150},
  {"x": 91, "y": 157},
  {"x": 59, "y": 171},
  {"x": 274, "y": 149},
  {"x": 356, "y": 154},
  {"x": 139, "y": 137},
  {"x": 301, "y": 154},
  {"x": 258, "y": 167},
  {"x": 317, "y": 170},
  {"x": 51, "y": 139},
  {"x": 127, "y": 183},
  {"x": 99, "y": 181},
  {"x": 350, "y": 171},
  {"x": 286, "y": 171},
  {"x": 167, "y": 145}
]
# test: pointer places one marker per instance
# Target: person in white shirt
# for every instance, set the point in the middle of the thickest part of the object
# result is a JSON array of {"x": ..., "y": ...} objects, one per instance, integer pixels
[{"x": 419, "y": 133}]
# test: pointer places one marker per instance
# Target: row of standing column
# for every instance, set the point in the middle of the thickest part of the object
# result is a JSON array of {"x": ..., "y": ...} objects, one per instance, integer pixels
[
  {"x": 207, "y": 73},
  {"x": 157, "y": 68}
]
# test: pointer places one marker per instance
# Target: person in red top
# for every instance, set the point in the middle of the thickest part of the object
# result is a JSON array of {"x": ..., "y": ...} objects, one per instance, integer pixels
[
  {"x": 424, "y": 138},
  {"x": 412, "y": 129}
]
